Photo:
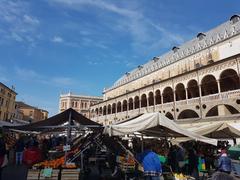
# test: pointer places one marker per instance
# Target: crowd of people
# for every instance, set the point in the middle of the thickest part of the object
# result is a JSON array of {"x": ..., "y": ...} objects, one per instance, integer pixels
[
  {"x": 156, "y": 158},
  {"x": 185, "y": 158}
]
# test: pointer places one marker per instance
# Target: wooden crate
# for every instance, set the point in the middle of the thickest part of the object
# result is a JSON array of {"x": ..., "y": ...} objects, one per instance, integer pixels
[
  {"x": 68, "y": 174},
  {"x": 55, "y": 173},
  {"x": 33, "y": 174}
]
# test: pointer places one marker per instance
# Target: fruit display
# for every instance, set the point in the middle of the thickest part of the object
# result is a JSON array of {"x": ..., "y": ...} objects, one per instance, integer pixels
[
  {"x": 55, "y": 163},
  {"x": 182, "y": 177},
  {"x": 126, "y": 163}
]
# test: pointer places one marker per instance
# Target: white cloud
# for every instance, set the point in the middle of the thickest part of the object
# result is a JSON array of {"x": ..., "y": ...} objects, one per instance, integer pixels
[
  {"x": 64, "y": 81},
  {"x": 57, "y": 39},
  {"x": 30, "y": 20},
  {"x": 145, "y": 34},
  {"x": 31, "y": 75},
  {"x": 20, "y": 25}
]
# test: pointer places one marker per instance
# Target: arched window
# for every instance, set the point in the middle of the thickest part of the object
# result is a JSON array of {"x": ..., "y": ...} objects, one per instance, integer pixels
[
  {"x": 158, "y": 97},
  {"x": 150, "y": 99},
  {"x": 109, "y": 109},
  {"x": 130, "y": 103},
  {"x": 100, "y": 111},
  {"x": 136, "y": 102},
  {"x": 124, "y": 105},
  {"x": 104, "y": 110},
  {"x": 144, "y": 100},
  {"x": 113, "y": 108},
  {"x": 119, "y": 106},
  {"x": 187, "y": 114},
  {"x": 193, "y": 89},
  {"x": 167, "y": 95},
  {"x": 180, "y": 92},
  {"x": 209, "y": 85},
  {"x": 229, "y": 80}
]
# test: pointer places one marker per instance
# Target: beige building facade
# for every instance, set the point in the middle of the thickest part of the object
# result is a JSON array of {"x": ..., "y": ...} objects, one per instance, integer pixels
[
  {"x": 198, "y": 80},
  {"x": 30, "y": 113},
  {"x": 7, "y": 102},
  {"x": 79, "y": 103}
]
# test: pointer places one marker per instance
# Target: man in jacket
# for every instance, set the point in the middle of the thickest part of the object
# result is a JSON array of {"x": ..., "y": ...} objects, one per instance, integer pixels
[
  {"x": 151, "y": 164},
  {"x": 224, "y": 162}
]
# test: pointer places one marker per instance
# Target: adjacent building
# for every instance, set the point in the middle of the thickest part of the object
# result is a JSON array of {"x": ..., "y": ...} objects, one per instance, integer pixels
[
  {"x": 198, "y": 80},
  {"x": 79, "y": 103},
  {"x": 30, "y": 113},
  {"x": 7, "y": 102}
]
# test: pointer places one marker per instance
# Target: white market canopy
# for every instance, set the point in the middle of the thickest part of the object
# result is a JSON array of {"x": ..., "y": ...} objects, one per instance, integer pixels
[
  {"x": 218, "y": 130},
  {"x": 154, "y": 124}
]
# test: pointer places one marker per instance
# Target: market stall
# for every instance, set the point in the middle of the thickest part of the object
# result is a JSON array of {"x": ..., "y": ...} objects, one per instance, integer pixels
[
  {"x": 65, "y": 136},
  {"x": 155, "y": 124}
]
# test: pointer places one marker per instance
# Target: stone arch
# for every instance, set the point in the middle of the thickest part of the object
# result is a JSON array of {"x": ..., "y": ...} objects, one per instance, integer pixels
[
  {"x": 136, "y": 102},
  {"x": 119, "y": 107},
  {"x": 180, "y": 92},
  {"x": 169, "y": 115},
  {"x": 113, "y": 108},
  {"x": 96, "y": 111},
  {"x": 143, "y": 100},
  {"x": 192, "y": 89},
  {"x": 214, "y": 111},
  {"x": 124, "y": 105},
  {"x": 109, "y": 109},
  {"x": 150, "y": 99},
  {"x": 100, "y": 111},
  {"x": 229, "y": 80},
  {"x": 104, "y": 110},
  {"x": 158, "y": 96},
  {"x": 187, "y": 114},
  {"x": 130, "y": 103},
  {"x": 209, "y": 85},
  {"x": 167, "y": 95}
]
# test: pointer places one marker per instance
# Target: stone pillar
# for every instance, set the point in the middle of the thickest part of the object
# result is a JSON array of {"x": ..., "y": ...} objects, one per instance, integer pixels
[
  {"x": 174, "y": 105},
  {"x": 186, "y": 94},
  {"x": 200, "y": 100},
  {"x": 218, "y": 84},
  {"x": 147, "y": 102},
  {"x": 154, "y": 102}
]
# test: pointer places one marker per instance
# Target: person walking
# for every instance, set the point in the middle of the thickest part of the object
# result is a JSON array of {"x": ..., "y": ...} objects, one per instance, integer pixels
[
  {"x": 19, "y": 148},
  {"x": 224, "y": 162},
  {"x": 193, "y": 163},
  {"x": 151, "y": 164}
]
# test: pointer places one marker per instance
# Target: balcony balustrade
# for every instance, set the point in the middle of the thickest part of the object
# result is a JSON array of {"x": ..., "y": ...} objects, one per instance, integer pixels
[{"x": 234, "y": 94}]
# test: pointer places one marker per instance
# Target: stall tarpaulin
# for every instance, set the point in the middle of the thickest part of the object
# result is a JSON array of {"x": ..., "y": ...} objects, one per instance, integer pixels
[
  {"x": 218, "y": 130},
  {"x": 58, "y": 121},
  {"x": 154, "y": 124}
]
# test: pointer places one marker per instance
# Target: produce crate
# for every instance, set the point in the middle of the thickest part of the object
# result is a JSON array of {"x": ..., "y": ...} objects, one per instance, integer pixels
[
  {"x": 127, "y": 167},
  {"x": 33, "y": 174},
  {"x": 54, "y": 176},
  {"x": 68, "y": 174}
]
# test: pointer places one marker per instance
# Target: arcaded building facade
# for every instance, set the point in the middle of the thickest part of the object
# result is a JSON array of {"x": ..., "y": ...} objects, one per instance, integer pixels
[
  {"x": 198, "y": 80},
  {"x": 80, "y": 103}
]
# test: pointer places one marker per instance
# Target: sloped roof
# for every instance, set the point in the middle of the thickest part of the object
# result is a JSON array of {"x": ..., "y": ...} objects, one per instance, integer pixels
[{"x": 58, "y": 120}]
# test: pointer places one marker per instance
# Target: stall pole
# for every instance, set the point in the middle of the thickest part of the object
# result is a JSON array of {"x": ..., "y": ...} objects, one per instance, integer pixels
[
  {"x": 82, "y": 160},
  {"x": 68, "y": 136},
  {"x": 142, "y": 149}
]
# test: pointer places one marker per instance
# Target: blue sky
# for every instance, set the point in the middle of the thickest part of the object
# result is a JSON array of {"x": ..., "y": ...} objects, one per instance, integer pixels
[{"x": 50, "y": 47}]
